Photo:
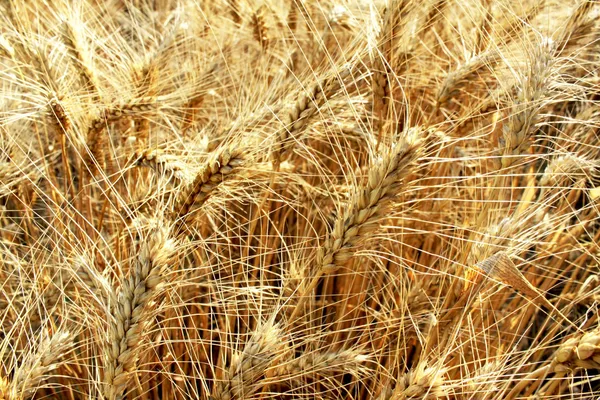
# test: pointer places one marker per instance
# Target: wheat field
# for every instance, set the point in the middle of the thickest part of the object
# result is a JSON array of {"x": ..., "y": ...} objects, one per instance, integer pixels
[{"x": 299, "y": 199}]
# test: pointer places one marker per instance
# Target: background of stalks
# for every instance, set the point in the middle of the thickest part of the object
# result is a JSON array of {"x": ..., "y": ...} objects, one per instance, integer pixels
[{"x": 299, "y": 199}]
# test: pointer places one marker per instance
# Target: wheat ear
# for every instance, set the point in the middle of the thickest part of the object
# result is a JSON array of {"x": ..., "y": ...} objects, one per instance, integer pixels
[
  {"x": 79, "y": 54},
  {"x": 421, "y": 382},
  {"x": 219, "y": 166},
  {"x": 523, "y": 116},
  {"x": 241, "y": 379},
  {"x": 260, "y": 28},
  {"x": 295, "y": 117},
  {"x": 131, "y": 311},
  {"x": 36, "y": 366},
  {"x": 367, "y": 205}
]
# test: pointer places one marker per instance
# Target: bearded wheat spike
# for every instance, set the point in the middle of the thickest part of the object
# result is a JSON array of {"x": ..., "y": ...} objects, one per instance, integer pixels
[
  {"x": 518, "y": 128},
  {"x": 242, "y": 378},
  {"x": 260, "y": 28},
  {"x": 132, "y": 309},
  {"x": 499, "y": 266},
  {"x": 257, "y": 144},
  {"x": 79, "y": 55},
  {"x": 36, "y": 366},
  {"x": 221, "y": 165},
  {"x": 580, "y": 351},
  {"x": 322, "y": 363},
  {"x": 575, "y": 21},
  {"x": 367, "y": 204},
  {"x": 296, "y": 116},
  {"x": 421, "y": 382}
]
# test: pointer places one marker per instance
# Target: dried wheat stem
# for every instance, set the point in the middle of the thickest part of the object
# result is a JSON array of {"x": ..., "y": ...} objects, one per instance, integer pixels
[
  {"x": 368, "y": 203},
  {"x": 242, "y": 378},
  {"x": 6, "y": 50},
  {"x": 139, "y": 293}
]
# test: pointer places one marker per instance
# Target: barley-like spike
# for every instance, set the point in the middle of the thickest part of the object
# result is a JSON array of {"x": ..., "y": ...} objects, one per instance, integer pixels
[
  {"x": 421, "y": 382},
  {"x": 295, "y": 117},
  {"x": 367, "y": 204},
  {"x": 260, "y": 29},
  {"x": 518, "y": 128}
]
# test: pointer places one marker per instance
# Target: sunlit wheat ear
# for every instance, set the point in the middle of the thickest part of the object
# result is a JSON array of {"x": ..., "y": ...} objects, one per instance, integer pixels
[
  {"x": 367, "y": 204},
  {"x": 80, "y": 56},
  {"x": 163, "y": 164},
  {"x": 565, "y": 171},
  {"x": 464, "y": 74},
  {"x": 255, "y": 146},
  {"x": 578, "y": 352},
  {"x": 37, "y": 365},
  {"x": 575, "y": 26},
  {"x": 97, "y": 138},
  {"x": 500, "y": 267},
  {"x": 421, "y": 382},
  {"x": 222, "y": 164},
  {"x": 525, "y": 107},
  {"x": 247, "y": 367},
  {"x": 132, "y": 307},
  {"x": 323, "y": 365},
  {"x": 260, "y": 28},
  {"x": 295, "y": 117}
]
